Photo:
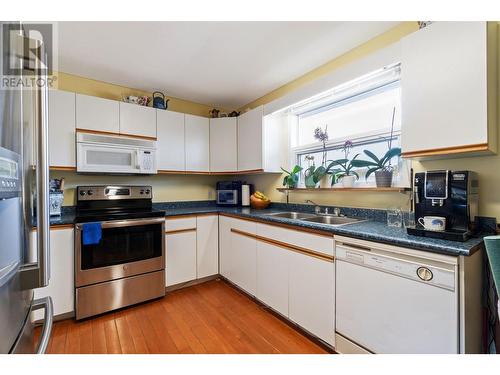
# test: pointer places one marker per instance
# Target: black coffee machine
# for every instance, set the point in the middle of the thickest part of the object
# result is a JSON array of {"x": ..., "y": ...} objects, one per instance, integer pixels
[{"x": 450, "y": 194}]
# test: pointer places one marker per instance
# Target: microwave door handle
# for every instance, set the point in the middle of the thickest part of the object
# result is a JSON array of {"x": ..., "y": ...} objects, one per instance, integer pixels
[
  {"x": 137, "y": 159},
  {"x": 37, "y": 275}
]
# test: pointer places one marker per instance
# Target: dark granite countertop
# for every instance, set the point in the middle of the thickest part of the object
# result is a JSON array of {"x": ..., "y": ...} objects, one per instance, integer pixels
[{"x": 374, "y": 229}]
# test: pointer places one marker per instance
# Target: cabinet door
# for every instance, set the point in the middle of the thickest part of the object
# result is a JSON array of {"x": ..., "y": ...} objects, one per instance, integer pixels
[
  {"x": 97, "y": 114},
  {"x": 242, "y": 265},
  {"x": 137, "y": 120},
  {"x": 272, "y": 276},
  {"x": 250, "y": 140},
  {"x": 62, "y": 128},
  {"x": 180, "y": 257},
  {"x": 207, "y": 246},
  {"x": 170, "y": 141},
  {"x": 225, "y": 253},
  {"x": 61, "y": 284},
  {"x": 444, "y": 88},
  {"x": 223, "y": 144},
  {"x": 312, "y": 295},
  {"x": 197, "y": 143}
]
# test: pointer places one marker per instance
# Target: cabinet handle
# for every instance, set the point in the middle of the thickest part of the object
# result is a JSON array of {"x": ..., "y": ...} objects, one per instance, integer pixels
[
  {"x": 180, "y": 231},
  {"x": 294, "y": 248}
]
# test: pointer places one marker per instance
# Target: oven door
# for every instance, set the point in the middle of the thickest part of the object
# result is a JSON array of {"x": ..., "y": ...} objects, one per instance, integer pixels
[{"x": 127, "y": 248}]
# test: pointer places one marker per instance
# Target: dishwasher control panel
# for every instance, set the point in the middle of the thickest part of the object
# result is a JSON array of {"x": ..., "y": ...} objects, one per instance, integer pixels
[{"x": 415, "y": 270}]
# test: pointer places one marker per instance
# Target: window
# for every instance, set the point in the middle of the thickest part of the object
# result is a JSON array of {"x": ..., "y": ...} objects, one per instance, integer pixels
[{"x": 361, "y": 111}]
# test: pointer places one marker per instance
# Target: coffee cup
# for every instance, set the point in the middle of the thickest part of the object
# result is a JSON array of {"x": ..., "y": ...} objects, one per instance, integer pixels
[{"x": 434, "y": 223}]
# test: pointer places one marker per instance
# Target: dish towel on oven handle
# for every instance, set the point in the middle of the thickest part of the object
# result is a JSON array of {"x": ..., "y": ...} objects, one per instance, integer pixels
[{"x": 91, "y": 233}]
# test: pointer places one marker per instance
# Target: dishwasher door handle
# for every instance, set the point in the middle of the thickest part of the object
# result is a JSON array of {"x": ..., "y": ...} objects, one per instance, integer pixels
[{"x": 44, "y": 303}]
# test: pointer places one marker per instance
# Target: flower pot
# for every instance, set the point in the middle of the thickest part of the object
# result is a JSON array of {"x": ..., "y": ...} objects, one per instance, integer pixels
[
  {"x": 325, "y": 182},
  {"x": 348, "y": 181},
  {"x": 383, "y": 178}
]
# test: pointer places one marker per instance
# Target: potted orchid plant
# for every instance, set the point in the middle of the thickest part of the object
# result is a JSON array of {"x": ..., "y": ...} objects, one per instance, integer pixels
[
  {"x": 314, "y": 175},
  {"x": 343, "y": 169}
]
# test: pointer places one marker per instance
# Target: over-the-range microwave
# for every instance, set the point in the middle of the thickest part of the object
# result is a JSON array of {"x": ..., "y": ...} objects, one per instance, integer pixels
[{"x": 114, "y": 154}]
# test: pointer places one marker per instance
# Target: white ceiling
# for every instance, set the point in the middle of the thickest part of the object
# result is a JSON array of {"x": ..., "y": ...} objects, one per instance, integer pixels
[{"x": 226, "y": 64}]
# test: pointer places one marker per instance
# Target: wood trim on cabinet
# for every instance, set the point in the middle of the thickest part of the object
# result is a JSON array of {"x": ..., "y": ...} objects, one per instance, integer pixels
[
  {"x": 294, "y": 248},
  {"x": 61, "y": 168},
  {"x": 166, "y": 171},
  {"x": 281, "y": 225},
  {"x": 57, "y": 227},
  {"x": 180, "y": 231},
  {"x": 100, "y": 132},
  {"x": 447, "y": 150}
]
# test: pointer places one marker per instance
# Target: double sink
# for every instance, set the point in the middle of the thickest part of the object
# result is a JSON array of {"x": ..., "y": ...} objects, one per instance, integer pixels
[{"x": 317, "y": 218}]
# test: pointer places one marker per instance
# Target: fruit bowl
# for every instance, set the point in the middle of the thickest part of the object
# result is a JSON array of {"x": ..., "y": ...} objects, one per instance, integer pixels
[{"x": 259, "y": 204}]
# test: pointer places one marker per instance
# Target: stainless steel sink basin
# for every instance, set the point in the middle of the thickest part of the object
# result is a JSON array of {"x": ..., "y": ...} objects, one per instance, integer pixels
[
  {"x": 333, "y": 220},
  {"x": 293, "y": 215}
]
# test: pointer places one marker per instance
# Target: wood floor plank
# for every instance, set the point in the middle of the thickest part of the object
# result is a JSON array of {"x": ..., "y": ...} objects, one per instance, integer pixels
[
  {"x": 213, "y": 317},
  {"x": 126, "y": 341},
  {"x": 136, "y": 333},
  {"x": 85, "y": 331},
  {"x": 111, "y": 334},
  {"x": 98, "y": 336}
]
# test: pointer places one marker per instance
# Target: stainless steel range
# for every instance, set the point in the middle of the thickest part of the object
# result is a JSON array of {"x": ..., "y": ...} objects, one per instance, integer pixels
[{"x": 119, "y": 248}]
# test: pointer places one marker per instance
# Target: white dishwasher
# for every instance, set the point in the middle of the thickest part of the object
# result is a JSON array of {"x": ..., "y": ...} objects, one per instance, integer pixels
[{"x": 394, "y": 303}]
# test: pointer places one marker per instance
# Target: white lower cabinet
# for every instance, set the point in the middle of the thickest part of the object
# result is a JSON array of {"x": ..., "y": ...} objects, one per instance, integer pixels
[
  {"x": 239, "y": 252},
  {"x": 273, "y": 276},
  {"x": 312, "y": 295},
  {"x": 191, "y": 248},
  {"x": 207, "y": 246},
  {"x": 180, "y": 250},
  {"x": 61, "y": 286},
  {"x": 289, "y": 270}
]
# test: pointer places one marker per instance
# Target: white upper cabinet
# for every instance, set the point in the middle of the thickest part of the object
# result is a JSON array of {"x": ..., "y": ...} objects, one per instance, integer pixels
[
  {"x": 197, "y": 143},
  {"x": 137, "y": 120},
  {"x": 97, "y": 114},
  {"x": 262, "y": 141},
  {"x": 170, "y": 149},
  {"x": 223, "y": 144},
  {"x": 250, "y": 140},
  {"x": 448, "y": 89},
  {"x": 62, "y": 128}
]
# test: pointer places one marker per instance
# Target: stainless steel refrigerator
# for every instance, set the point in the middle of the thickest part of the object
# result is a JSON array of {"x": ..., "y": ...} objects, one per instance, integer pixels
[{"x": 23, "y": 175}]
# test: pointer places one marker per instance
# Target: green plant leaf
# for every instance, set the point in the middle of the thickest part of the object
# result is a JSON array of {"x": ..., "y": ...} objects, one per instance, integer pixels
[
  {"x": 393, "y": 152},
  {"x": 363, "y": 163},
  {"x": 296, "y": 169},
  {"x": 372, "y": 156},
  {"x": 371, "y": 170}
]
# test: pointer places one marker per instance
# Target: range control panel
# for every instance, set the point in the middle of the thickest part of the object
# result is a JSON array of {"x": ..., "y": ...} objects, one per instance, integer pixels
[{"x": 94, "y": 193}]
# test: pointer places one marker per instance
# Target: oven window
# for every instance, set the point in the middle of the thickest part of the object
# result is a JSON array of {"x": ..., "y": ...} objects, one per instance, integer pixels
[
  {"x": 119, "y": 158},
  {"x": 123, "y": 245}
]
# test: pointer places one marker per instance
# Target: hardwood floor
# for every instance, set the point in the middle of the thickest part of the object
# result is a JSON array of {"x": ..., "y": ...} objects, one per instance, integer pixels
[{"x": 212, "y": 317}]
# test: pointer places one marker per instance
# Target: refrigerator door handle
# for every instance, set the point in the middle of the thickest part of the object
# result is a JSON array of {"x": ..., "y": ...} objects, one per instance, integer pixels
[
  {"x": 37, "y": 275},
  {"x": 44, "y": 303}
]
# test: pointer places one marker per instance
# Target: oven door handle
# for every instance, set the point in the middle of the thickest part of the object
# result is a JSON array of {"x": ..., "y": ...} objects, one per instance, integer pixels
[{"x": 127, "y": 223}]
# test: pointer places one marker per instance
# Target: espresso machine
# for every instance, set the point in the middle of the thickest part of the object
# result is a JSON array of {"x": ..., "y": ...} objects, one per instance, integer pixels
[{"x": 449, "y": 194}]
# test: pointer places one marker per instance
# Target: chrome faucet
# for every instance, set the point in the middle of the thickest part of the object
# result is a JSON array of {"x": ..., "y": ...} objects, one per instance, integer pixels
[{"x": 317, "y": 207}]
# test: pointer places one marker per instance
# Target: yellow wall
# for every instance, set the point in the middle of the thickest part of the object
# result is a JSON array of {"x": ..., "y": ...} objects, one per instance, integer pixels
[
  {"x": 165, "y": 187},
  {"x": 87, "y": 86},
  {"x": 488, "y": 167}
]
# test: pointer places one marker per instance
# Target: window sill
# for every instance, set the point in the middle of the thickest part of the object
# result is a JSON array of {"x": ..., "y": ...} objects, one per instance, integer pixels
[{"x": 357, "y": 189}]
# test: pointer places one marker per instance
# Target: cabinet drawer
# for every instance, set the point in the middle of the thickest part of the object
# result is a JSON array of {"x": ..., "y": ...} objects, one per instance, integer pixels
[
  {"x": 180, "y": 224},
  {"x": 243, "y": 225},
  {"x": 313, "y": 242}
]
